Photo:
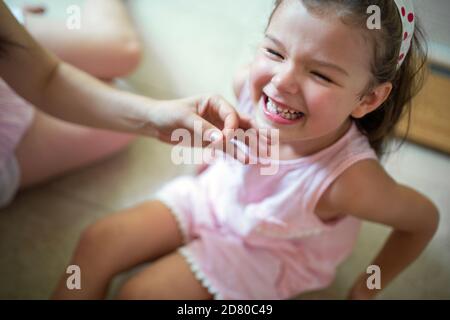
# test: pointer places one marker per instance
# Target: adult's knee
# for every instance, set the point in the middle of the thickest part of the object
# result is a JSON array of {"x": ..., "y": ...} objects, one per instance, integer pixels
[
  {"x": 125, "y": 55},
  {"x": 132, "y": 53}
]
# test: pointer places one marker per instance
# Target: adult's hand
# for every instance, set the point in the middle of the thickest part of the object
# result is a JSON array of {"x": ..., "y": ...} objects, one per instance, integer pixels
[
  {"x": 201, "y": 116},
  {"x": 210, "y": 118}
]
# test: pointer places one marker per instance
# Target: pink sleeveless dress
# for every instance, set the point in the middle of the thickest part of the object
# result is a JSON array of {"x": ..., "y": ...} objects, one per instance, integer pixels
[{"x": 253, "y": 236}]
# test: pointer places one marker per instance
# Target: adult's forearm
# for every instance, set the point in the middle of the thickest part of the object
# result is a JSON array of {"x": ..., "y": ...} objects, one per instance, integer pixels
[{"x": 72, "y": 95}]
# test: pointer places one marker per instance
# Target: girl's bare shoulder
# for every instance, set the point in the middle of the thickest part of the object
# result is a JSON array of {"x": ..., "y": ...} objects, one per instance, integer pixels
[{"x": 360, "y": 181}]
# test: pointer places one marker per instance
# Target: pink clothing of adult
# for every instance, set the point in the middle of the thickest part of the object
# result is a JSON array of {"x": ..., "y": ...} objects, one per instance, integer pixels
[
  {"x": 253, "y": 236},
  {"x": 16, "y": 115}
]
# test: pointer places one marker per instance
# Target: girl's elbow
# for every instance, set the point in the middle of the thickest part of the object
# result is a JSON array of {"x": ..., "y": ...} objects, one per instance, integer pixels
[
  {"x": 432, "y": 214},
  {"x": 436, "y": 218}
]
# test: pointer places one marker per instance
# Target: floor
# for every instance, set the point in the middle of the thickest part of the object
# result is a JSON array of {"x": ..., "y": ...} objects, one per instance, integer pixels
[
  {"x": 429, "y": 124},
  {"x": 198, "y": 53}
]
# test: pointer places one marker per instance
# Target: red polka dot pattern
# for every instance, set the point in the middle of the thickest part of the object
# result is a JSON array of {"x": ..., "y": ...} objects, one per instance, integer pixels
[{"x": 407, "y": 17}]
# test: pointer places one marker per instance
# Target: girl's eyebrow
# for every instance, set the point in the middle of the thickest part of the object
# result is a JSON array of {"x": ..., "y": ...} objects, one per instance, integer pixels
[
  {"x": 330, "y": 65},
  {"x": 318, "y": 62},
  {"x": 274, "y": 40}
]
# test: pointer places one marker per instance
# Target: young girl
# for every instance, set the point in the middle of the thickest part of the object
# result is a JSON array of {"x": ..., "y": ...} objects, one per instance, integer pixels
[{"x": 335, "y": 90}]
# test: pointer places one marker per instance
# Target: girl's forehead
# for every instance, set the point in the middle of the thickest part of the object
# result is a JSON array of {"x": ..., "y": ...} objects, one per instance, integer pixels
[{"x": 304, "y": 33}]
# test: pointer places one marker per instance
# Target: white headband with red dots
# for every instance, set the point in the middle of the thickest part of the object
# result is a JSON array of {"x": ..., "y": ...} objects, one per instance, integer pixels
[{"x": 407, "y": 15}]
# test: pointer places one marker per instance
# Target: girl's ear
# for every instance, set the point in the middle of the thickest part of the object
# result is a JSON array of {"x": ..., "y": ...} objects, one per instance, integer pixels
[{"x": 372, "y": 100}]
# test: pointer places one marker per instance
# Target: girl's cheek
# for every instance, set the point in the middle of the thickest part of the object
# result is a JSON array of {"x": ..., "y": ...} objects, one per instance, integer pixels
[
  {"x": 321, "y": 103},
  {"x": 329, "y": 111},
  {"x": 316, "y": 97}
]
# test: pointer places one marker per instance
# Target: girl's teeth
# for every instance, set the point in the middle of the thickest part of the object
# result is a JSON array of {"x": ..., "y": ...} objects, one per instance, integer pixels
[{"x": 284, "y": 113}]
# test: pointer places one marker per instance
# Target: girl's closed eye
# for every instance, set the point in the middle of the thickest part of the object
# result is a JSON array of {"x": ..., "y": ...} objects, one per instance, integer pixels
[
  {"x": 321, "y": 77},
  {"x": 274, "y": 53}
]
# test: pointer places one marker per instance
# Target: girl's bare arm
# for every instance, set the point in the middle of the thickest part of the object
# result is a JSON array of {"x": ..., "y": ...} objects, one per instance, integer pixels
[{"x": 366, "y": 191}]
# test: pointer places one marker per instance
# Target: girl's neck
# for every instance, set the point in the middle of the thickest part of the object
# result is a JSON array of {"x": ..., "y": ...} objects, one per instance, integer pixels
[{"x": 304, "y": 148}]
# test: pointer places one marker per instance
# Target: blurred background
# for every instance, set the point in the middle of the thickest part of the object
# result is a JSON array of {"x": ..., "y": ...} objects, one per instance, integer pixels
[{"x": 195, "y": 46}]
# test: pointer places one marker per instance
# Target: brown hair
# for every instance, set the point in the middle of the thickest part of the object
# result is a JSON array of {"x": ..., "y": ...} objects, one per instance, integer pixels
[{"x": 407, "y": 81}]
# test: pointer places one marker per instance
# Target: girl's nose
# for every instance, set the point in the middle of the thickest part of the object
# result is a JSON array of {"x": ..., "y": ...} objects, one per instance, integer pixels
[{"x": 285, "y": 80}]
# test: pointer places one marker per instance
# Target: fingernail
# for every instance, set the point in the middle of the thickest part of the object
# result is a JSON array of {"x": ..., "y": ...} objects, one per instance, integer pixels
[{"x": 215, "y": 136}]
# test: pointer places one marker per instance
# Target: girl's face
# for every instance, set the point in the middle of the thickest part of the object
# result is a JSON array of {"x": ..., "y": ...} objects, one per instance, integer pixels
[{"x": 308, "y": 74}]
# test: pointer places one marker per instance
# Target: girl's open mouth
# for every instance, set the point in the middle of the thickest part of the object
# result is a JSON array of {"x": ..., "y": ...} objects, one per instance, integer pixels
[{"x": 280, "y": 115}]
